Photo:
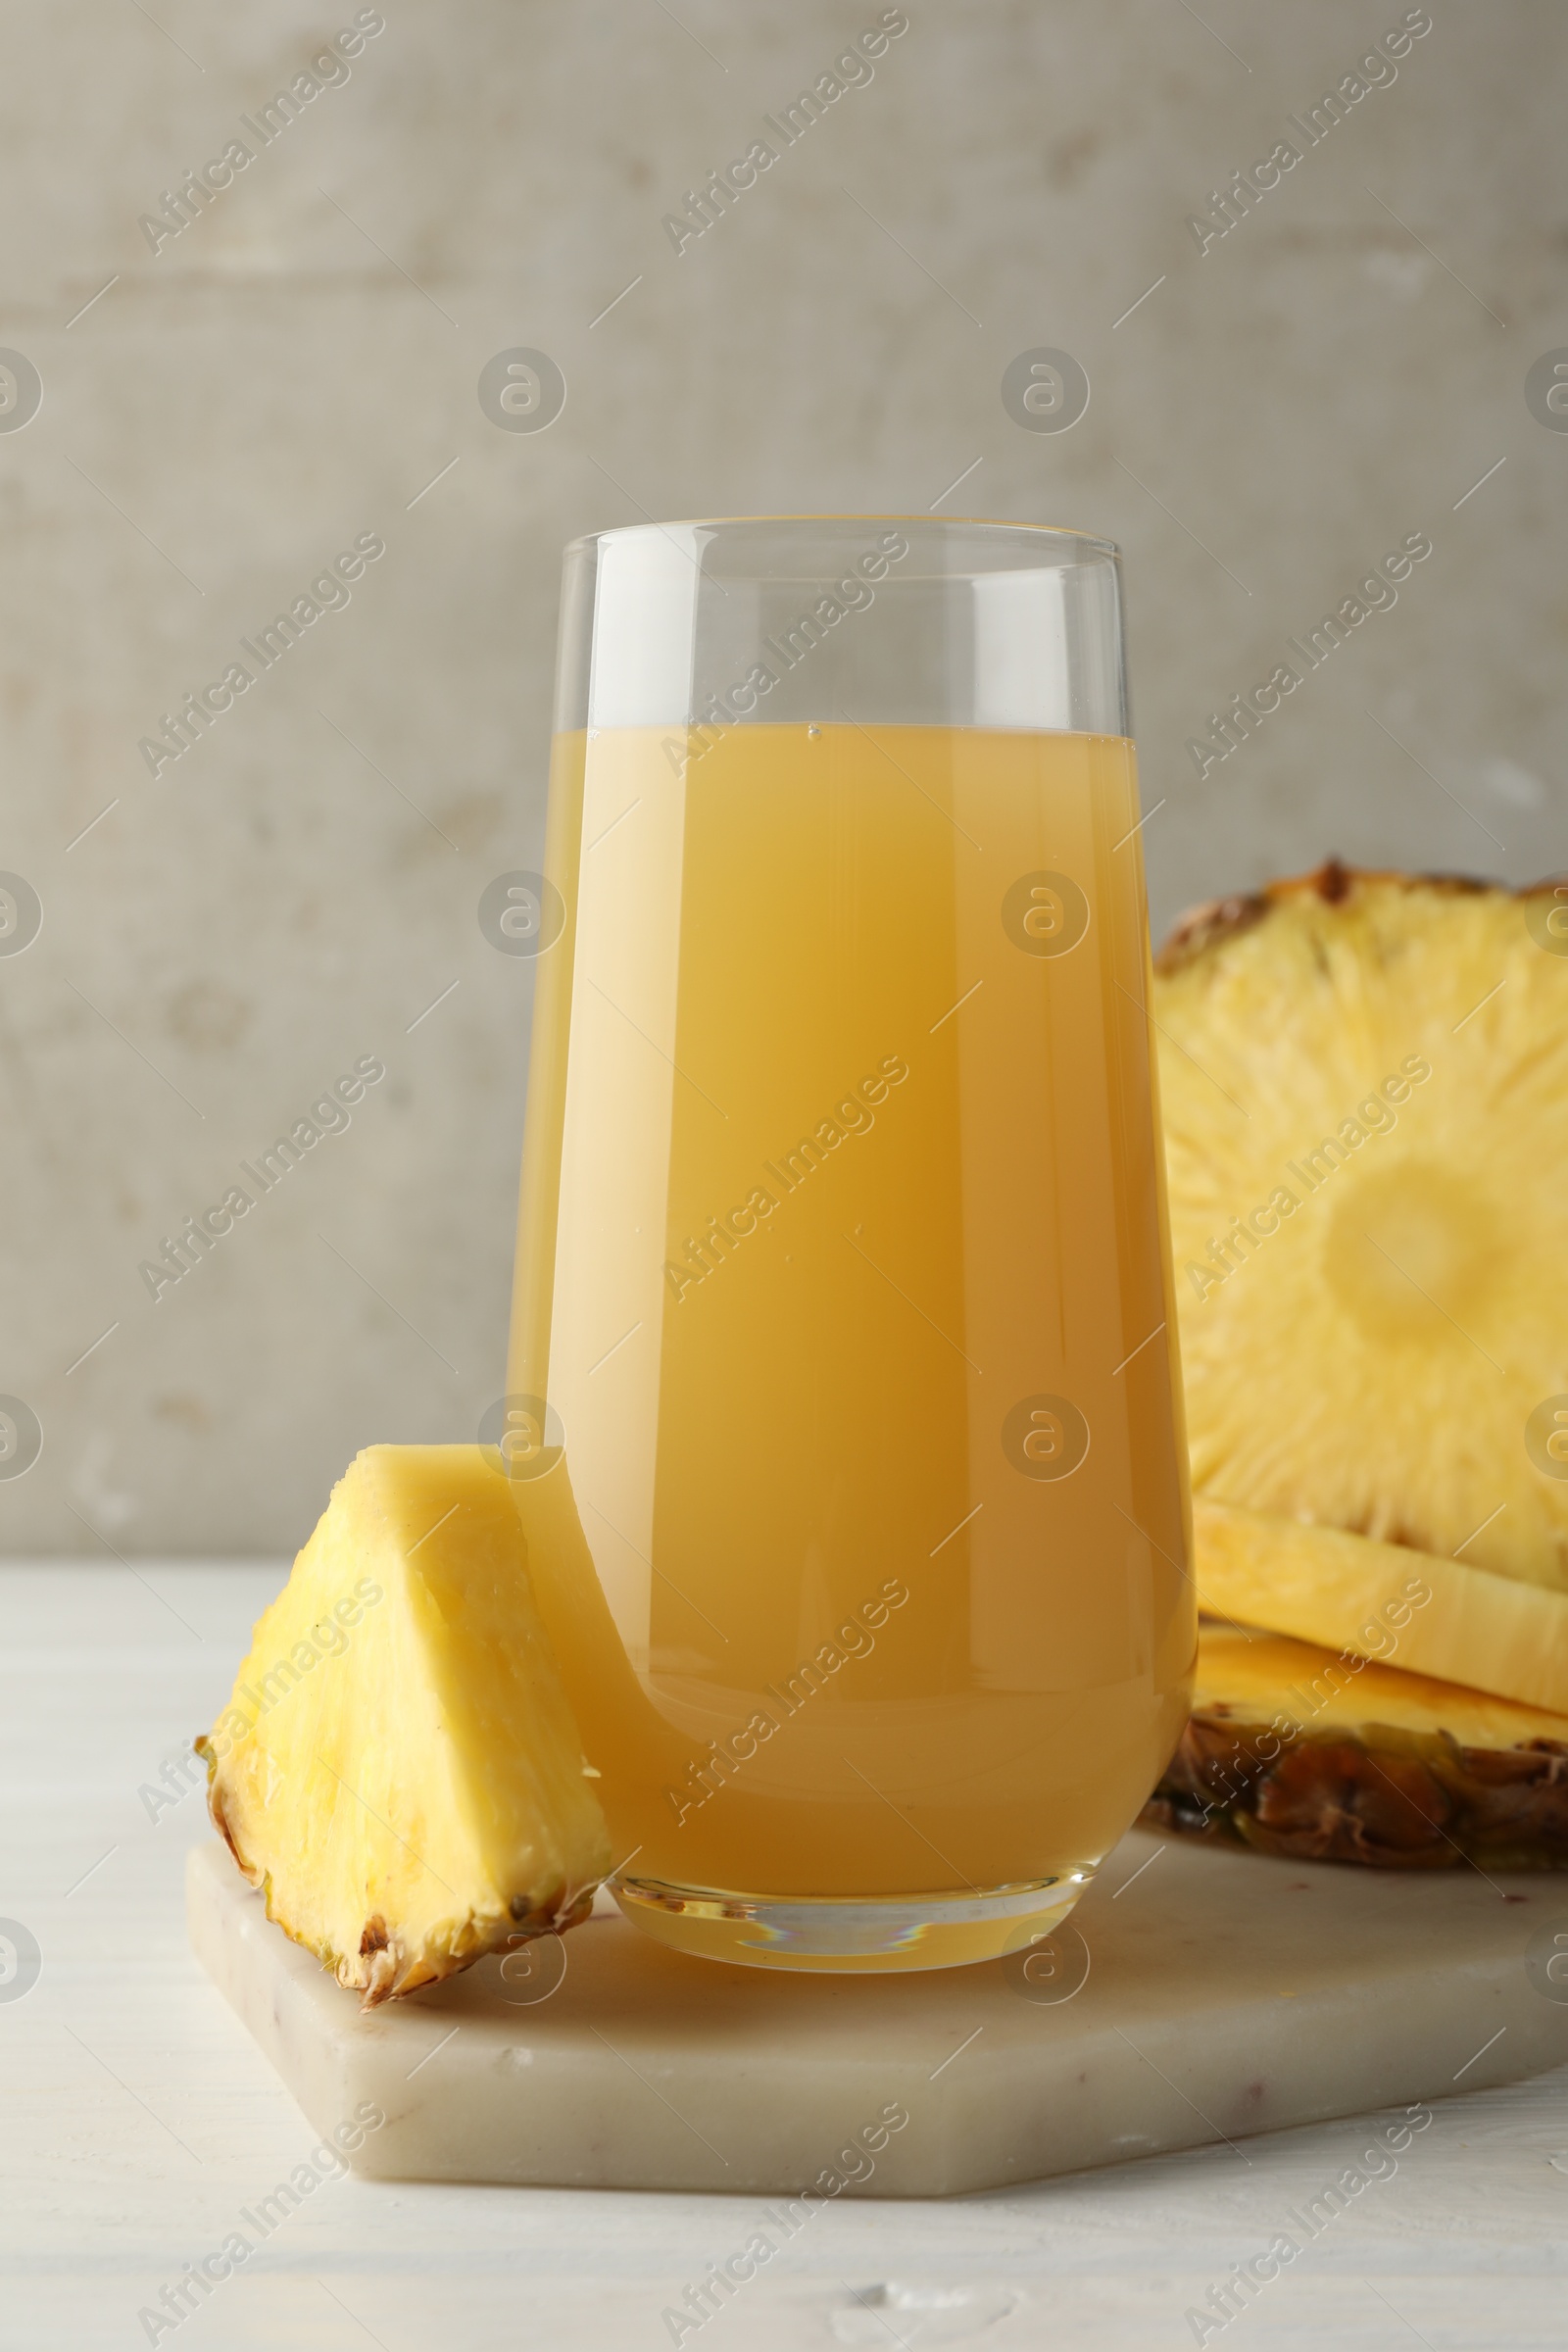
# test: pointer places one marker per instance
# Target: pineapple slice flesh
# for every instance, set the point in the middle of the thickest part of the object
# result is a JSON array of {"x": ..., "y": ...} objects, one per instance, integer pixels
[
  {"x": 398, "y": 1767},
  {"x": 1366, "y": 1089},
  {"x": 1384, "y": 1601},
  {"x": 1293, "y": 1750}
]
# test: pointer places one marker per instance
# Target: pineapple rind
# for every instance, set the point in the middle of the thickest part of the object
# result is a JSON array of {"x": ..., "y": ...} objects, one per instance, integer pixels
[
  {"x": 1295, "y": 1752},
  {"x": 1372, "y": 1361},
  {"x": 1384, "y": 1601},
  {"x": 416, "y": 1797}
]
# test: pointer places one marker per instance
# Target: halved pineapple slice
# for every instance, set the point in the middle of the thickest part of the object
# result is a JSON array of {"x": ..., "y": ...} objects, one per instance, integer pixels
[
  {"x": 1384, "y": 1601},
  {"x": 1293, "y": 1751},
  {"x": 399, "y": 1768},
  {"x": 1366, "y": 1088}
]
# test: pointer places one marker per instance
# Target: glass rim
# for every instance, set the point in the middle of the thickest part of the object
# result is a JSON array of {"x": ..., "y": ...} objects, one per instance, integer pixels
[{"x": 1101, "y": 547}]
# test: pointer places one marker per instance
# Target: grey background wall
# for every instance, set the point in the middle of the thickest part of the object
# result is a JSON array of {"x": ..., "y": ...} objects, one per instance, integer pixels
[{"x": 299, "y": 365}]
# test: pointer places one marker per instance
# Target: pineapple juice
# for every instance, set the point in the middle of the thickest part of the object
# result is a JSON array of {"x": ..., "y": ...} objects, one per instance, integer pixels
[{"x": 842, "y": 1316}]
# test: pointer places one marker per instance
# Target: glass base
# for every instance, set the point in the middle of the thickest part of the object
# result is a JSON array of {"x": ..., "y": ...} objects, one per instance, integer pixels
[{"x": 850, "y": 1935}]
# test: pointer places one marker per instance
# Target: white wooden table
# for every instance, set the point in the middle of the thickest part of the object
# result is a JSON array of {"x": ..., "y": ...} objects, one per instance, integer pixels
[{"x": 139, "y": 2120}]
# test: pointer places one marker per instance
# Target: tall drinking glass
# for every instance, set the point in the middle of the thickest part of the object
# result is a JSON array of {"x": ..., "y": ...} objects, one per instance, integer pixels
[{"x": 844, "y": 1408}]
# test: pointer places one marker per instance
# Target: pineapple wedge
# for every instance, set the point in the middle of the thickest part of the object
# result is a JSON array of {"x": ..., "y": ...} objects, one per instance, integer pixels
[
  {"x": 398, "y": 1768},
  {"x": 1366, "y": 1089},
  {"x": 1385, "y": 1602},
  {"x": 1294, "y": 1751}
]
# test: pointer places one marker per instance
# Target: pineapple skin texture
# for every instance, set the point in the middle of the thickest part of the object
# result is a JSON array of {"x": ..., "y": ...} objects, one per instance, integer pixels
[
  {"x": 1293, "y": 1751},
  {"x": 1369, "y": 1358},
  {"x": 398, "y": 1768}
]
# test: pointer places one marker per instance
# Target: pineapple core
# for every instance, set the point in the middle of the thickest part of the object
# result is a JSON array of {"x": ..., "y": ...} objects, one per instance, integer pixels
[{"x": 398, "y": 1768}]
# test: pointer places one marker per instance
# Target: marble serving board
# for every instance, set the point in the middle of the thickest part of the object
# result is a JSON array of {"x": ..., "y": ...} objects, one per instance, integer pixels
[{"x": 1194, "y": 1997}]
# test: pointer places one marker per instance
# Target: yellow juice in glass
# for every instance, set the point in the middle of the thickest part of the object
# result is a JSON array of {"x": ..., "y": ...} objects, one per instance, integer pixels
[{"x": 842, "y": 1271}]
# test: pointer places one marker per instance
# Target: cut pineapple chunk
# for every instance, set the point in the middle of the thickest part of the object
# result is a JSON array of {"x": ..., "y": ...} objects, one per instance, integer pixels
[
  {"x": 399, "y": 1768},
  {"x": 1384, "y": 1601},
  {"x": 1254, "y": 1675},
  {"x": 1366, "y": 1088},
  {"x": 1296, "y": 1751}
]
